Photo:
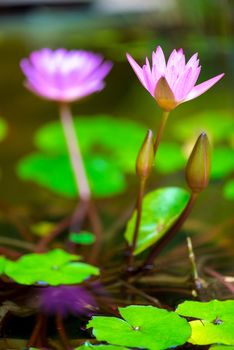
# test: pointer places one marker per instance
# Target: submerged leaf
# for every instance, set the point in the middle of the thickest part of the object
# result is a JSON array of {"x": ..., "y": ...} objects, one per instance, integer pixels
[
  {"x": 229, "y": 190},
  {"x": 142, "y": 327},
  {"x": 89, "y": 346},
  {"x": 160, "y": 210},
  {"x": 55, "y": 173},
  {"x": 3, "y": 129},
  {"x": 85, "y": 238},
  {"x": 53, "y": 268},
  {"x": 215, "y": 322}
]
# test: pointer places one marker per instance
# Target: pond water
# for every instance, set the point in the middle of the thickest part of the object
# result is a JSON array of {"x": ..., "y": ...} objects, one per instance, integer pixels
[{"x": 30, "y": 206}]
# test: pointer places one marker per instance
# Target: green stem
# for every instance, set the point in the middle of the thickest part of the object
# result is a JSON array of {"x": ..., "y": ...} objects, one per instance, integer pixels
[
  {"x": 137, "y": 224},
  {"x": 158, "y": 247},
  {"x": 75, "y": 153},
  {"x": 160, "y": 130}
]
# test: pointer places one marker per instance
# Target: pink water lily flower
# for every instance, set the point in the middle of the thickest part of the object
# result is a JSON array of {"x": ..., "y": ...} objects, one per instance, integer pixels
[
  {"x": 173, "y": 82},
  {"x": 64, "y": 76}
]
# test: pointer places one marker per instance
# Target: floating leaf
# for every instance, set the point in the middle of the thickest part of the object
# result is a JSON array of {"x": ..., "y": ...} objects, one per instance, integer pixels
[
  {"x": 215, "y": 322},
  {"x": 2, "y": 264},
  {"x": 219, "y": 125},
  {"x": 3, "y": 129},
  {"x": 89, "y": 346},
  {"x": 55, "y": 173},
  {"x": 221, "y": 347},
  {"x": 169, "y": 158},
  {"x": 222, "y": 162},
  {"x": 53, "y": 268},
  {"x": 160, "y": 210},
  {"x": 102, "y": 135},
  {"x": 142, "y": 327},
  {"x": 85, "y": 238},
  {"x": 229, "y": 190}
]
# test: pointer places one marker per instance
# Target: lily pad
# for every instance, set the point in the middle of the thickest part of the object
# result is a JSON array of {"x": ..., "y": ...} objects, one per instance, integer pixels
[
  {"x": 3, "y": 129},
  {"x": 222, "y": 162},
  {"x": 2, "y": 264},
  {"x": 89, "y": 346},
  {"x": 215, "y": 322},
  {"x": 221, "y": 347},
  {"x": 229, "y": 190},
  {"x": 53, "y": 268},
  {"x": 100, "y": 135},
  {"x": 169, "y": 158},
  {"x": 160, "y": 210},
  {"x": 55, "y": 173},
  {"x": 219, "y": 125},
  {"x": 142, "y": 327},
  {"x": 83, "y": 237}
]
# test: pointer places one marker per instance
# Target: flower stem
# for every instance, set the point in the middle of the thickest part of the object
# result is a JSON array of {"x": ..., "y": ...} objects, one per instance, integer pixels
[
  {"x": 74, "y": 152},
  {"x": 170, "y": 234},
  {"x": 137, "y": 224},
  {"x": 160, "y": 130}
]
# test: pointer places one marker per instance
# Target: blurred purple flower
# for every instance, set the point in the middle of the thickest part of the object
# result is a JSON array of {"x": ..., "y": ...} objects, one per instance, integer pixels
[
  {"x": 66, "y": 300},
  {"x": 64, "y": 76},
  {"x": 172, "y": 82}
]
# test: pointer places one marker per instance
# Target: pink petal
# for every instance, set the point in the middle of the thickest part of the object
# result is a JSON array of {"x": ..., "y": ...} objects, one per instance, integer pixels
[
  {"x": 203, "y": 87},
  {"x": 137, "y": 69},
  {"x": 158, "y": 61}
]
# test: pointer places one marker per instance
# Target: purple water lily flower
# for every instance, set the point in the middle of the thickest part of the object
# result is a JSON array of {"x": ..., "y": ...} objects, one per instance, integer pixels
[
  {"x": 66, "y": 300},
  {"x": 173, "y": 82},
  {"x": 64, "y": 76}
]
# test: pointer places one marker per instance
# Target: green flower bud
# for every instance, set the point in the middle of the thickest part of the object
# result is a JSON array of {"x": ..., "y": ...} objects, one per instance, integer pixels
[
  {"x": 145, "y": 157},
  {"x": 198, "y": 166}
]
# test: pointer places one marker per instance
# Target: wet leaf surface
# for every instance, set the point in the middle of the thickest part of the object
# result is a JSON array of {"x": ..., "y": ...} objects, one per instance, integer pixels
[
  {"x": 215, "y": 322},
  {"x": 160, "y": 210}
]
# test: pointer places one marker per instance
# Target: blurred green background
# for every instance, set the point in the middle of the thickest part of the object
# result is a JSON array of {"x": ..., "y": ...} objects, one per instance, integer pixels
[{"x": 114, "y": 28}]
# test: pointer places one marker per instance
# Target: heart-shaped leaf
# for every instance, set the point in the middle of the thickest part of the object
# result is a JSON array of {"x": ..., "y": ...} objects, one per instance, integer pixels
[
  {"x": 55, "y": 173},
  {"x": 53, "y": 268},
  {"x": 142, "y": 327},
  {"x": 215, "y": 322},
  {"x": 89, "y": 346},
  {"x": 159, "y": 211}
]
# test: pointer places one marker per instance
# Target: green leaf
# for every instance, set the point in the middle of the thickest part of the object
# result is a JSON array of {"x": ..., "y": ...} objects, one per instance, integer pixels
[
  {"x": 159, "y": 211},
  {"x": 42, "y": 228},
  {"x": 221, "y": 347},
  {"x": 53, "y": 268},
  {"x": 55, "y": 173},
  {"x": 89, "y": 346},
  {"x": 169, "y": 158},
  {"x": 3, "y": 129},
  {"x": 229, "y": 190},
  {"x": 143, "y": 327},
  {"x": 222, "y": 162},
  {"x": 219, "y": 125},
  {"x": 85, "y": 238},
  {"x": 215, "y": 322},
  {"x": 100, "y": 135},
  {"x": 2, "y": 264}
]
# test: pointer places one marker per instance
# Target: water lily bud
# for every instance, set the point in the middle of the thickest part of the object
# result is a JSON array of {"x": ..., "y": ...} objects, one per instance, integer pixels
[
  {"x": 145, "y": 157},
  {"x": 198, "y": 166}
]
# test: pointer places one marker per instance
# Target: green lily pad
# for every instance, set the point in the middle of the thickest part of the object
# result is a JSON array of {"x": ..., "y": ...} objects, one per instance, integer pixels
[
  {"x": 85, "y": 238},
  {"x": 229, "y": 190},
  {"x": 169, "y": 158},
  {"x": 215, "y": 322},
  {"x": 219, "y": 125},
  {"x": 142, "y": 327},
  {"x": 100, "y": 135},
  {"x": 89, "y": 346},
  {"x": 159, "y": 211},
  {"x": 222, "y": 162},
  {"x": 221, "y": 347},
  {"x": 3, "y": 129},
  {"x": 53, "y": 268},
  {"x": 54, "y": 172},
  {"x": 2, "y": 264}
]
